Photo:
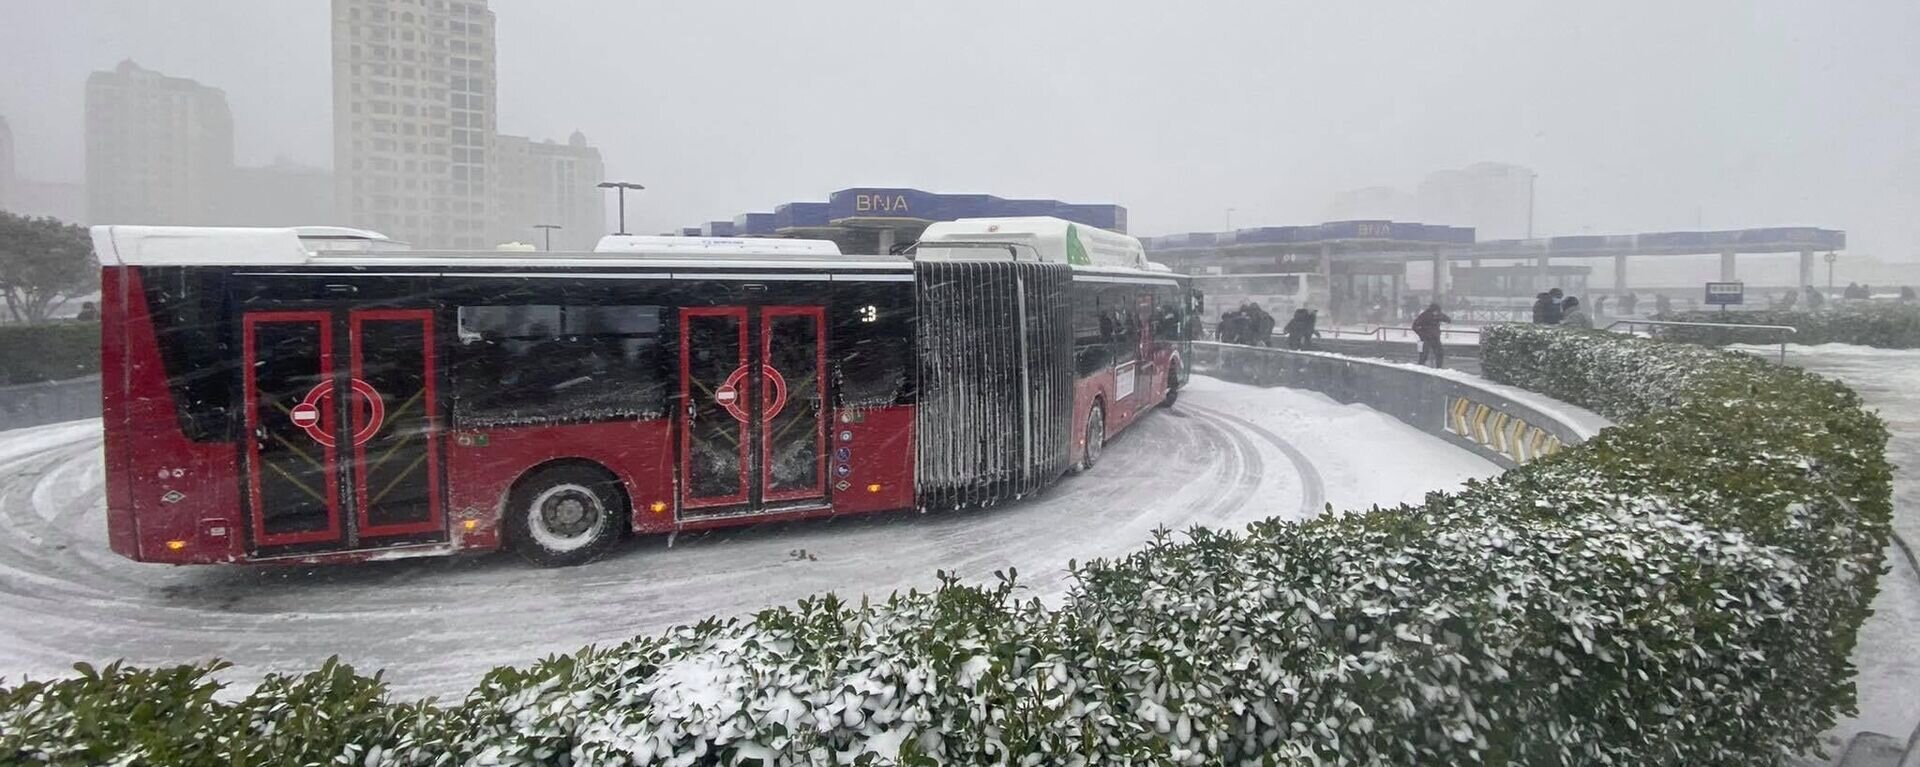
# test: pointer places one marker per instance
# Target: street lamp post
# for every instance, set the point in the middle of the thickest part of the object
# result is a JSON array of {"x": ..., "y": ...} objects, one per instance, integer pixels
[
  {"x": 547, "y": 231},
  {"x": 622, "y": 186},
  {"x": 1831, "y": 257}
]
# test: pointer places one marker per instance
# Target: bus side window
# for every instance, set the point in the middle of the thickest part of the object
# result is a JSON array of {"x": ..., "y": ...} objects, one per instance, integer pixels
[
  {"x": 1090, "y": 351},
  {"x": 870, "y": 335},
  {"x": 540, "y": 363}
]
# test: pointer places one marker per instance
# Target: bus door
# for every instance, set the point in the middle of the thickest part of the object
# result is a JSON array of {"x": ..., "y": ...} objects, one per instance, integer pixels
[
  {"x": 753, "y": 423},
  {"x": 1150, "y": 364},
  {"x": 340, "y": 415}
]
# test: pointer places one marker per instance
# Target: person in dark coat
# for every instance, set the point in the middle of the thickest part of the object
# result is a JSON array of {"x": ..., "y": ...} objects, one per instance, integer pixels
[
  {"x": 1259, "y": 326},
  {"x": 1628, "y": 303},
  {"x": 1814, "y": 298},
  {"x": 1540, "y": 303},
  {"x": 1662, "y": 305},
  {"x": 1426, "y": 327},
  {"x": 1575, "y": 317},
  {"x": 1299, "y": 330},
  {"x": 1228, "y": 331}
]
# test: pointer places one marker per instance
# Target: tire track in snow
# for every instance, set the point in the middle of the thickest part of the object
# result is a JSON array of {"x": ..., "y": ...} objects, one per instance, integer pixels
[{"x": 435, "y": 625}]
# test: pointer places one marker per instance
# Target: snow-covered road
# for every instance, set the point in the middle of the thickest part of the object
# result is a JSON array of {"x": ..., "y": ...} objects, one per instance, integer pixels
[
  {"x": 1888, "y": 655},
  {"x": 1227, "y": 455}
]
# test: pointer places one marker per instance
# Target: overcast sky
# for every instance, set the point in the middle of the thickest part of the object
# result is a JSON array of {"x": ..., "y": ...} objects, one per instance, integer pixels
[{"x": 1637, "y": 116}]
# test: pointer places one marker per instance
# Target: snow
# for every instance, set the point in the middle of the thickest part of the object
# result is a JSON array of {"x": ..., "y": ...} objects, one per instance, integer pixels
[
  {"x": 1888, "y": 655},
  {"x": 1225, "y": 456}
]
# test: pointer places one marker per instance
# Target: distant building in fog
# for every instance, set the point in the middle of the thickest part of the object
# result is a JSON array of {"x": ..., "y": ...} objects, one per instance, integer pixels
[
  {"x": 414, "y": 119},
  {"x": 1492, "y": 198},
  {"x": 541, "y": 182},
  {"x": 281, "y": 194},
  {"x": 1374, "y": 202},
  {"x": 64, "y": 200},
  {"x": 6, "y": 164},
  {"x": 159, "y": 148}
]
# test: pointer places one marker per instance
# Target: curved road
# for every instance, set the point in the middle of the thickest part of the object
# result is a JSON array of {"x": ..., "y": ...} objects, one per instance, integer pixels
[{"x": 437, "y": 624}]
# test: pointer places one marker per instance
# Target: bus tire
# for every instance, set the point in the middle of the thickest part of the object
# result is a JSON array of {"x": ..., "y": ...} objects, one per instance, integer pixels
[
  {"x": 565, "y": 515},
  {"x": 1096, "y": 434},
  {"x": 1173, "y": 386}
]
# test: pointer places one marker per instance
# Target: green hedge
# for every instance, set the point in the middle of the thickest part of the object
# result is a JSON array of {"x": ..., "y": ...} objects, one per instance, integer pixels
[
  {"x": 1885, "y": 325},
  {"x": 1682, "y": 589},
  {"x": 49, "y": 352}
]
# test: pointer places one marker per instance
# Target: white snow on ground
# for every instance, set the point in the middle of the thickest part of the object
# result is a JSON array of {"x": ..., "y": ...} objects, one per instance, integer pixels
[
  {"x": 1888, "y": 656},
  {"x": 1225, "y": 456}
]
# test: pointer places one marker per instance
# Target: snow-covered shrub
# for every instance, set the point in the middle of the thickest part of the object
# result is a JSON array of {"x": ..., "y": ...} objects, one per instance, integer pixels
[
  {"x": 1881, "y": 324},
  {"x": 1682, "y": 589}
]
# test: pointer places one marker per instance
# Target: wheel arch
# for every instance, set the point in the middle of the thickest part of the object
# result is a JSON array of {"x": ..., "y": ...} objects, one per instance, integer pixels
[{"x": 621, "y": 485}]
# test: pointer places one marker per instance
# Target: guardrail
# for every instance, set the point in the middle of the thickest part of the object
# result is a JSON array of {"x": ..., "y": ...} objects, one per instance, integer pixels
[
  {"x": 1381, "y": 332},
  {"x": 1504, "y": 426},
  {"x": 1785, "y": 331}
]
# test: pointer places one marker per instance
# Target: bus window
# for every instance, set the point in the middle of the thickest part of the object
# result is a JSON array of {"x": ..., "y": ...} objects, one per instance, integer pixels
[
  {"x": 870, "y": 332},
  {"x": 189, "y": 310},
  {"x": 539, "y": 363}
]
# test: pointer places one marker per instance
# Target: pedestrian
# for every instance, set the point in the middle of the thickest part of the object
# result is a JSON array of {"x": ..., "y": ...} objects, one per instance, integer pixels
[
  {"x": 1600, "y": 308},
  {"x": 1557, "y": 298},
  {"x": 1662, "y": 305},
  {"x": 1574, "y": 316},
  {"x": 1788, "y": 299},
  {"x": 1223, "y": 332},
  {"x": 88, "y": 312},
  {"x": 1313, "y": 326},
  {"x": 1426, "y": 327},
  {"x": 1814, "y": 299},
  {"x": 1299, "y": 329},
  {"x": 1851, "y": 291},
  {"x": 1259, "y": 326},
  {"x": 1541, "y": 301},
  {"x": 1628, "y": 302},
  {"x": 1906, "y": 294}
]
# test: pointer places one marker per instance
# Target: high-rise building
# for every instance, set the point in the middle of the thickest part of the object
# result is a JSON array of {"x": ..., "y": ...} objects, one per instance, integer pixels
[
  {"x": 541, "y": 182},
  {"x": 159, "y": 148},
  {"x": 414, "y": 119}
]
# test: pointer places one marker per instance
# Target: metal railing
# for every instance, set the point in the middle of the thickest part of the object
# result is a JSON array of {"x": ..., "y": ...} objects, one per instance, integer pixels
[
  {"x": 1381, "y": 332},
  {"x": 1785, "y": 331}
]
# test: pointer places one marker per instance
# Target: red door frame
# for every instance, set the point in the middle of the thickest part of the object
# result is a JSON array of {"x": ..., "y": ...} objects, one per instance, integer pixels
[
  {"x": 250, "y": 353},
  {"x": 819, "y": 315},
  {"x": 687, "y": 499},
  {"x": 435, "y": 519}
]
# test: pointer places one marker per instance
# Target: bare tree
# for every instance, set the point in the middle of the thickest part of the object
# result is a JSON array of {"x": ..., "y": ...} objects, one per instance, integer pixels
[{"x": 43, "y": 263}]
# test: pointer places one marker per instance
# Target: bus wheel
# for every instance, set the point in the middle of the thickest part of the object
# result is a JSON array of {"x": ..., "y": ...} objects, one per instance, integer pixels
[
  {"x": 1096, "y": 437},
  {"x": 565, "y": 515},
  {"x": 1173, "y": 387}
]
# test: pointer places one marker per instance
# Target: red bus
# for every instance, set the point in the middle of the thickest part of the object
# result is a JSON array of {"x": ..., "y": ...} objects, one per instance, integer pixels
[{"x": 314, "y": 395}]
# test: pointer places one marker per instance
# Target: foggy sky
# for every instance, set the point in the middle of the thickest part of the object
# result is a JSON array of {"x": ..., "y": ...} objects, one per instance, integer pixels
[{"x": 1637, "y": 115}]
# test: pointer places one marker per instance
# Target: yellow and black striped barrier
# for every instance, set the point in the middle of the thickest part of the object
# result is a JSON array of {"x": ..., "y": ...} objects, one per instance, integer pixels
[{"x": 1498, "y": 431}]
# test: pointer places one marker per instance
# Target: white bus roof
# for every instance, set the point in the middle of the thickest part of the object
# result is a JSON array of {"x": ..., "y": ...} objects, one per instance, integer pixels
[
  {"x": 1055, "y": 240},
  {"x": 333, "y": 246}
]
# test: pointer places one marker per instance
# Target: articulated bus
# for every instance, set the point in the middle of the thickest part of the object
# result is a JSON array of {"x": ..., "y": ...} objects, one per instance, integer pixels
[{"x": 317, "y": 395}]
